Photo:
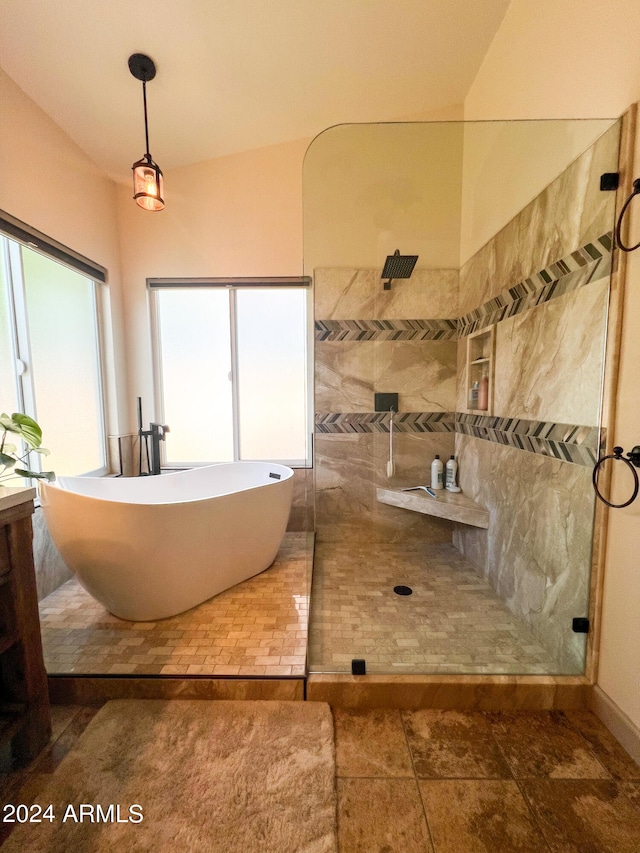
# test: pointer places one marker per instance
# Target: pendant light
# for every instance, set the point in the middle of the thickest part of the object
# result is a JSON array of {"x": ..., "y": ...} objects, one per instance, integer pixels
[{"x": 147, "y": 176}]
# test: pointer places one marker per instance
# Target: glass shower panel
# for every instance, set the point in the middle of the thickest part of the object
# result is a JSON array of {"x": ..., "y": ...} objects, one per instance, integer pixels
[{"x": 513, "y": 238}]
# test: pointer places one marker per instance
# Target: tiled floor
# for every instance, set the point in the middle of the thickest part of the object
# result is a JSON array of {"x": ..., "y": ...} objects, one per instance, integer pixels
[
  {"x": 258, "y": 627},
  {"x": 452, "y": 623},
  {"x": 450, "y": 782},
  {"x": 447, "y": 782}
]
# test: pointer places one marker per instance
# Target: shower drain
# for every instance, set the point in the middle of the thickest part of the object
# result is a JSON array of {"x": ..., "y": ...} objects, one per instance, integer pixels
[{"x": 402, "y": 590}]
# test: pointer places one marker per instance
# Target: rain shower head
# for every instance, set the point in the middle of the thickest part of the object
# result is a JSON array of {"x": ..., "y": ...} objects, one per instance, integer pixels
[{"x": 397, "y": 266}]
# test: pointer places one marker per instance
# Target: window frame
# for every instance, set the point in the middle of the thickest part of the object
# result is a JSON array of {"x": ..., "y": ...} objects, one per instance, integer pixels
[
  {"x": 16, "y": 235},
  {"x": 233, "y": 285}
]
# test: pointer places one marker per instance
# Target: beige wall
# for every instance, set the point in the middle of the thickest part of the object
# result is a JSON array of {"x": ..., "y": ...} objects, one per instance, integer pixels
[
  {"x": 239, "y": 215},
  {"x": 454, "y": 187},
  {"x": 579, "y": 58},
  {"x": 362, "y": 201},
  {"x": 496, "y": 187},
  {"x": 560, "y": 59},
  {"x": 49, "y": 183}
]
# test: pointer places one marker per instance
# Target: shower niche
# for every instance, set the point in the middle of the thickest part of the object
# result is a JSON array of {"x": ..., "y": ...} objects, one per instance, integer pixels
[
  {"x": 510, "y": 292},
  {"x": 479, "y": 371}
]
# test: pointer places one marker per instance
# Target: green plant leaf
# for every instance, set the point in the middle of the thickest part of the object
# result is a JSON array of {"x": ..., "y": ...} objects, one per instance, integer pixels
[
  {"x": 9, "y": 424},
  {"x": 28, "y": 429},
  {"x": 36, "y": 475}
]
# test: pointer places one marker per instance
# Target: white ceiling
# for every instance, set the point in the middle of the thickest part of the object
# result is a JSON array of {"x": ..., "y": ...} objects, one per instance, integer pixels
[{"x": 237, "y": 74}]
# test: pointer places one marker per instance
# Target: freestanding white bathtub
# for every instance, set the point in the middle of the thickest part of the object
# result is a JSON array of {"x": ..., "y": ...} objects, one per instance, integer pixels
[{"x": 151, "y": 547}]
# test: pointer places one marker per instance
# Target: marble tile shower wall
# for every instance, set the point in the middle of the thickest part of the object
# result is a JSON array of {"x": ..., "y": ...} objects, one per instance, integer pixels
[
  {"x": 51, "y": 570},
  {"x": 543, "y": 279},
  {"x": 370, "y": 340}
]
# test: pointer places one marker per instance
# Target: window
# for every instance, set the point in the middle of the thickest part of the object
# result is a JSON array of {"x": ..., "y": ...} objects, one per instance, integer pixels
[
  {"x": 49, "y": 356},
  {"x": 231, "y": 370}
]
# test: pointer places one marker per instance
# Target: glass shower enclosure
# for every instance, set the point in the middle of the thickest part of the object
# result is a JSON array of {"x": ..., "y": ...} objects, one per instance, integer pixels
[{"x": 509, "y": 295}]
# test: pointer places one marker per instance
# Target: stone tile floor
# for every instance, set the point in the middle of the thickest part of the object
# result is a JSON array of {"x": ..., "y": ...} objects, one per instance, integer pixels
[
  {"x": 452, "y": 623},
  {"x": 502, "y": 782},
  {"x": 445, "y": 781},
  {"x": 257, "y": 628}
]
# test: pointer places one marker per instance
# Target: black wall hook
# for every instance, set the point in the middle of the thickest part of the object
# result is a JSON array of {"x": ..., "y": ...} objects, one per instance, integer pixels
[{"x": 632, "y": 460}]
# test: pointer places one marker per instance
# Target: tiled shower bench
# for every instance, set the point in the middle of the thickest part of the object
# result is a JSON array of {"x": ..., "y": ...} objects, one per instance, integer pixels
[{"x": 452, "y": 505}]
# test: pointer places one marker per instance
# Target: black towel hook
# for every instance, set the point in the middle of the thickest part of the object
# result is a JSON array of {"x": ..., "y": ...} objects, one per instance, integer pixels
[
  {"x": 632, "y": 460},
  {"x": 619, "y": 243}
]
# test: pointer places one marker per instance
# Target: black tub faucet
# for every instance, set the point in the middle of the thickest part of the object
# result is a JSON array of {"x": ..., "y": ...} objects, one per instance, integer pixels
[{"x": 157, "y": 433}]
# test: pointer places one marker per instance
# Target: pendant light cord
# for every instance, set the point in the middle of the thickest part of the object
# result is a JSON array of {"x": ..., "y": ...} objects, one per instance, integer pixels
[{"x": 146, "y": 126}]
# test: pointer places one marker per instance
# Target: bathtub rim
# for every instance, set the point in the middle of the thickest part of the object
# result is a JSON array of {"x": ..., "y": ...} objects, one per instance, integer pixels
[{"x": 43, "y": 486}]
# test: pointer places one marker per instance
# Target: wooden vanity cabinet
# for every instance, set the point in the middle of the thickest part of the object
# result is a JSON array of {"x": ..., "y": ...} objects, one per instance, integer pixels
[{"x": 25, "y": 718}]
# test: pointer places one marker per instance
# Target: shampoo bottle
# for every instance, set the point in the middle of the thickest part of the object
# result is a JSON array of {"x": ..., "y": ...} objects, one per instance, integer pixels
[
  {"x": 436, "y": 473},
  {"x": 483, "y": 393},
  {"x": 450, "y": 474},
  {"x": 474, "y": 392}
]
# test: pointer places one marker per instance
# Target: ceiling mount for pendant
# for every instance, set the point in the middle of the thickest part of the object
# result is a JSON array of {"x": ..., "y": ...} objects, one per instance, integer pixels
[
  {"x": 142, "y": 67},
  {"x": 148, "y": 182}
]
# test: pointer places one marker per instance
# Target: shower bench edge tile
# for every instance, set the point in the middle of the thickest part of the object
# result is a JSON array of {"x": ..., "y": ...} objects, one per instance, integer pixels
[{"x": 454, "y": 506}]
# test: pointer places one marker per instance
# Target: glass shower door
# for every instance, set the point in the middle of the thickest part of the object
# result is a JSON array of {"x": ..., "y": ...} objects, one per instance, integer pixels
[{"x": 513, "y": 238}]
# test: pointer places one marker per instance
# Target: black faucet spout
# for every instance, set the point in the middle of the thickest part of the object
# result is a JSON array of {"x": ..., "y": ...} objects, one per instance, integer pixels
[{"x": 158, "y": 432}]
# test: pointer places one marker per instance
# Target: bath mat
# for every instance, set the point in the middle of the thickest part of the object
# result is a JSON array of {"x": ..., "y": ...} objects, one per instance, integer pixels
[{"x": 215, "y": 776}]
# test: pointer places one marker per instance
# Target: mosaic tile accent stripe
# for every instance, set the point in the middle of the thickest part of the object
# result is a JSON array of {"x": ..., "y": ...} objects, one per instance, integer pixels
[
  {"x": 386, "y": 330},
  {"x": 363, "y": 422},
  {"x": 589, "y": 263},
  {"x": 566, "y": 442}
]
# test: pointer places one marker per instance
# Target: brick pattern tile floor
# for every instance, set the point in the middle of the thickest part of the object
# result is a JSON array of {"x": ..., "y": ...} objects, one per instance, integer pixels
[
  {"x": 258, "y": 627},
  {"x": 452, "y": 623}
]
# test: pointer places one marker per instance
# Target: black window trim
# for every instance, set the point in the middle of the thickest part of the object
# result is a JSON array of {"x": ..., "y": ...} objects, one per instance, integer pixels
[{"x": 34, "y": 239}]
